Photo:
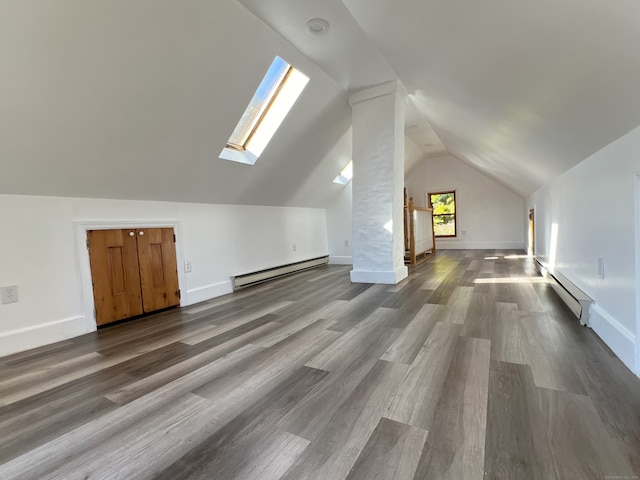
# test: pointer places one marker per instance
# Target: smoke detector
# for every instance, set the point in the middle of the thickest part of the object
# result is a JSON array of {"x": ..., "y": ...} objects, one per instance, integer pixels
[{"x": 317, "y": 26}]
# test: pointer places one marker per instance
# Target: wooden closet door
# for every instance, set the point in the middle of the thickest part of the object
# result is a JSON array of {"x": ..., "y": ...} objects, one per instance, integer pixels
[
  {"x": 158, "y": 268},
  {"x": 113, "y": 256}
]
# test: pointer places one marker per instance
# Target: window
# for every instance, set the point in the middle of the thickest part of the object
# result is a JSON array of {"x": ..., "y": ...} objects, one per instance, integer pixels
[
  {"x": 276, "y": 94},
  {"x": 444, "y": 213},
  {"x": 345, "y": 175}
]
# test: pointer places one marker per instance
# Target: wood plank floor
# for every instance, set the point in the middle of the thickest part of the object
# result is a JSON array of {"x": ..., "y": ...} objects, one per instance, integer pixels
[{"x": 469, "y": 369}]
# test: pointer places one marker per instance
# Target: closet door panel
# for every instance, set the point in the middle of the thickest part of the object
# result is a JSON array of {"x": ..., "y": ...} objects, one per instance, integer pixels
[
  {"x": 113, "y": 256},
  {"x": 158, "y": 268}
]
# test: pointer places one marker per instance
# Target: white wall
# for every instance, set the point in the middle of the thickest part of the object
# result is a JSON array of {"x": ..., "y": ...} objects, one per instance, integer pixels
[
  {"x": 44, "y": 255},
  {"x": 489, "y": 215},
  {"x": 595, "y": 209},
  {"x": 339, "y": 228}
]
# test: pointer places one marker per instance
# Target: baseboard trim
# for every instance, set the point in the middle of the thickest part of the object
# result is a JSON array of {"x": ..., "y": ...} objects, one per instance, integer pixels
[
  {"x": 446, "y": 244},
  {"x": 389, "y": 278},
  {"x": 337, "y": 260},
  {"x": 615, "y": 335},
  {"x": 40, "y": 335},
  {"x": 577, "y": 301},
  {"x": 248, "y": 279},
  {"x": 201, "y": 294}
]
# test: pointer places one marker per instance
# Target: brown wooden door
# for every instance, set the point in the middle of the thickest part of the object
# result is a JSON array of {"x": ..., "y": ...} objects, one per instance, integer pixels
[
  {"x": 113, "y": 255},
  {"x": 158, "y": 268}
]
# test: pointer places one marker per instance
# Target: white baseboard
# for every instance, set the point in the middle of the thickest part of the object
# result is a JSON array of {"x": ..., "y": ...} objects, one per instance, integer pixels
[
  {"x": 336, "y": 260},
  {"x": 39, "y": 335},
  {"x": 389, "y": 278},
  {"x": 23, "y": 339},
  {"x": 446, "y": 244},
  {"x": 616, "y": 335},
  {"x": 200, "y": 294}
]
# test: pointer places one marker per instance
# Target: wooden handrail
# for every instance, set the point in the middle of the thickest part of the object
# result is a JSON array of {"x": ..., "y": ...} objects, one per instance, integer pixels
[
  {"x": 412, "y": 236},
  {"x": 406, "y": 227},
  {"x": 409, "y": 230}
]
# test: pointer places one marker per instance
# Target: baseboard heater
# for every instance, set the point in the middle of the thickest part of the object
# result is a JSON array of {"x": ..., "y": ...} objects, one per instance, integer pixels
[
  {"x": 253, "y": 278},
  {"x": 577, "y": 301}
]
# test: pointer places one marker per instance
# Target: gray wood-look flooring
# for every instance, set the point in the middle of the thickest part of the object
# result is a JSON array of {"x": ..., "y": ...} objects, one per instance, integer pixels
[{"x": 469, "y": 369}]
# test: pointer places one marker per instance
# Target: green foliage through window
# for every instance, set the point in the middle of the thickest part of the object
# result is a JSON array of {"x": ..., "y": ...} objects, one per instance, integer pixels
[{"x": 444, "y": 213}]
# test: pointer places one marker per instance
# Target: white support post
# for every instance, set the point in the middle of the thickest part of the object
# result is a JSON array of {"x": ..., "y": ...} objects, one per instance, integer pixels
[{"x": 378, "y": 182}]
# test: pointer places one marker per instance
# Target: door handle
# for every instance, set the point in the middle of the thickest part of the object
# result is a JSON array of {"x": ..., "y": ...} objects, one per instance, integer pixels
[{"x": 140, "y": 233}]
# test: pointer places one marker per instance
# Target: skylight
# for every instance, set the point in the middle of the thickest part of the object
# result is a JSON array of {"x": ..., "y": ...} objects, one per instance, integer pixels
[
  {"x": 276, "y": 94},
  {"x": 345, "y": 175}
]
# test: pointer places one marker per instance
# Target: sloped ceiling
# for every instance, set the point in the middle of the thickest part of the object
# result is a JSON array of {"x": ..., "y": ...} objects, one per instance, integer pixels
[
  {"x": 135, "y": 98},
  {"x": 348, "y": 56},
  {"x": 520, "y": 90}
]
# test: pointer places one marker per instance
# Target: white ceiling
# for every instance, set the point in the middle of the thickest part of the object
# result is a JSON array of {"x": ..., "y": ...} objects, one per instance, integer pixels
[
  {"x": 345, "y": 53},
  {"x": 520, "y": 90},
  {"x": 136, "y": 98}
]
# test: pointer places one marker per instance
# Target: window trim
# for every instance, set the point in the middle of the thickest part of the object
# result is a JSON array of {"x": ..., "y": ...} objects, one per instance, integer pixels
[
  {"x": 276, "y": 95},
  {"x": 345, "y": 175},
  {"x": 455, "y": 213},
  {"x": 272, "y": 99}
]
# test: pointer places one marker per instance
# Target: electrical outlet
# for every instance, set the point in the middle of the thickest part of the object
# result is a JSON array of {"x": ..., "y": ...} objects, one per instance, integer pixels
[
  {"x": 9, "y": 294},
  {"x": 346, "y": 243},
  {"x": 187, "y": 266},
  {"x": 294, "y": 247}
]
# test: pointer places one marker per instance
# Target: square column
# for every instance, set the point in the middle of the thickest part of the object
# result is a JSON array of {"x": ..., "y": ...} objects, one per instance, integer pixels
[{"x": 378, "y": 180}]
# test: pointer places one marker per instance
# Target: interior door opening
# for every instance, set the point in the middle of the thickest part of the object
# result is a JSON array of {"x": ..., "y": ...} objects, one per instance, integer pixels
[{"x": 532, "y": 235}]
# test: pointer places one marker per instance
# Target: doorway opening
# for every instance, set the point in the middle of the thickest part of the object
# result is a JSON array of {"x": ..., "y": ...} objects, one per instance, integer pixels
[
  {"x": 637, "y": 268},
  {"x": 531, "y": 251}
]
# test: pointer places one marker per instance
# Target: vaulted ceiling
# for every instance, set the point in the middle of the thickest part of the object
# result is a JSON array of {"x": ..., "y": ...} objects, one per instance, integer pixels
[{"x": 136, "y": 98}]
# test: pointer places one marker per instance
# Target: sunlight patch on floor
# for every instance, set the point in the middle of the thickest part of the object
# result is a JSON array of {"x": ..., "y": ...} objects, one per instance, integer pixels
[{"x": 511, "y": 280}]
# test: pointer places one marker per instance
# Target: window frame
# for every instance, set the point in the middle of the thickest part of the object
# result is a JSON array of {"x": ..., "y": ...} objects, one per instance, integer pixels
[
  {"x": 434, "y": 215},
  {"x": 273, "y": 95}
]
